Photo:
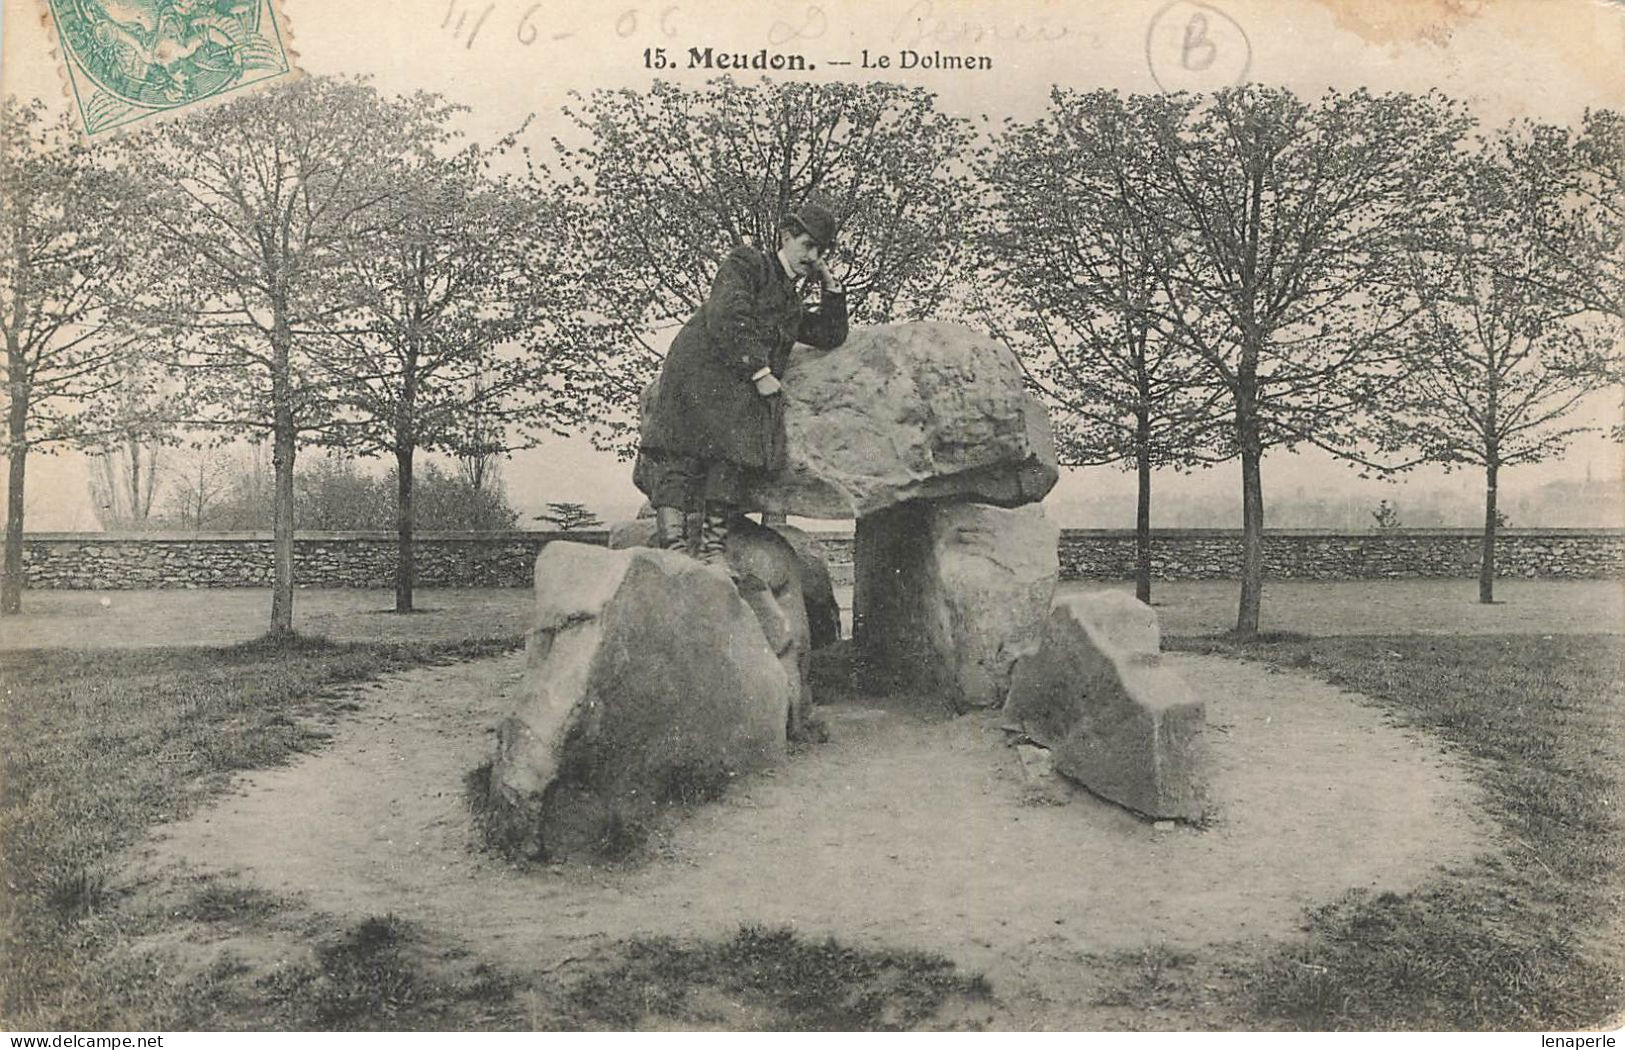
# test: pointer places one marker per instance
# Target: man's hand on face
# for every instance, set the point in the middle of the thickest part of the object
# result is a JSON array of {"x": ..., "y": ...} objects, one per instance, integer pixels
[{"x": 820, "y": 269}]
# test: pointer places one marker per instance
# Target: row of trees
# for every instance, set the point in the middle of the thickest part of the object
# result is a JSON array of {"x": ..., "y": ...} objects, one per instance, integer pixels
[
  {"x": 147, "y": 487},
  {"x": 318, "y": 265},
  {"x": 1194, "y": 280},
  {"x": 1188, "y": 279}
]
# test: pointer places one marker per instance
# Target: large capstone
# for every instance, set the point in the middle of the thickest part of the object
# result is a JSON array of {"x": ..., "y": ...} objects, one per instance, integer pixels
[
  {"x": 1097, "y": 694},
  {"x": 907, "y": 412},
  {"x": 648, "y": 680},
  {"x": 947, "y": 596}
]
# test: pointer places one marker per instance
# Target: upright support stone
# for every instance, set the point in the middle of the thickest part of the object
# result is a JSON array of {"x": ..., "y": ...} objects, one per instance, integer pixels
[
  {"x": 769, "y": 579},
  {"x": 817, "y": 586},
  {"x": 648, "y": 679},
  {"x": 771, "y": 575},
  {"x": 946, "y": 596}
]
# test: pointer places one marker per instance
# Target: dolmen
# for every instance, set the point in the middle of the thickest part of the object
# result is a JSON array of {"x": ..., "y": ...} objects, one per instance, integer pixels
[
  {"x": 652, "y": 678},
  {"x": 926, "y": 436}
]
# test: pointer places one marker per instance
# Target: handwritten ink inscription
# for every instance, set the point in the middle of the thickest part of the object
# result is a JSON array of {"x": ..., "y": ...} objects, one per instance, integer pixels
[
  {"x": 920, "y": 34},
  {"x": 922, "y": 23},
  {"x": 1193, "y": 46},
  {"x": 471, "y": 23}
]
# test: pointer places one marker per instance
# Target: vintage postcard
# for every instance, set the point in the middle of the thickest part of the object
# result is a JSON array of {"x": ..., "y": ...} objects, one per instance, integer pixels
[
  {"x": 811, "y": 515},
  {"x": 127, "y": 62}
]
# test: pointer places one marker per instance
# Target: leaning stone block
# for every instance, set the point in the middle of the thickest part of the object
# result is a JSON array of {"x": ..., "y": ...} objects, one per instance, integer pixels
[
  {"x": 1121, "y": 619},
  {"x": 1118, "y": 721},
  {"x": 648, "y": 680}
]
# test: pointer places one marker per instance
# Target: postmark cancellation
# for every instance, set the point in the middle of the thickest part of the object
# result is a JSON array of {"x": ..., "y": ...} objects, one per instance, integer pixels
[{"x": 125, "y": 61}]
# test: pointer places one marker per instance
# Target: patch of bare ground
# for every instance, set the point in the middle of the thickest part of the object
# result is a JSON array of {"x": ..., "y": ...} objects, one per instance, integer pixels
[{"x": 906, "y": 831}]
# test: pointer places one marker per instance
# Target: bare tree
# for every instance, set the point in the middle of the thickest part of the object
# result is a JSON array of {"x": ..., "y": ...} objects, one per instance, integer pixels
[
  {"x": 63, "y": 251},
  {"x": 463, "y": 320},
  {"x": 124, "y": 481},
  {"x": 258, "y": 207},
  {"x": 1290, "y": 225},
  {"x": 1503, "y": 361},
  {"x": 200, "y": 482},
  {"x": 1078, "y": 266}
]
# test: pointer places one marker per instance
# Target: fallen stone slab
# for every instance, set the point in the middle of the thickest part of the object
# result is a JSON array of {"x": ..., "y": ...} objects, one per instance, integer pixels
[
  {"x": 947, "y": 596},
  {"x": 648, "y": 680},
  {"x": 1097, "y": 694},
  {"x": 903, "y": 412}
]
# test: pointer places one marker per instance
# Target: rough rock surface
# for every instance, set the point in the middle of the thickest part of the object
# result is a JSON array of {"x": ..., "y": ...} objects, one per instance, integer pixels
[
  {"x": 1118, "y": 721},
  {"x": 769, "y": 578},
  {"x": 648, "y": 680},
  {"x": 947, "y": 596},
  {"x": 817, "y": 586},
  {"x": 639, "y": 532},
  {"x": 770, "y": 574},
  {"x": 1121, "y": 619},
  {"x": 908, "y": 411}
]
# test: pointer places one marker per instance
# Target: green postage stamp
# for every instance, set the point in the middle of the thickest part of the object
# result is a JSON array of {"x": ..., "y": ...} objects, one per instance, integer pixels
[{"x": 128, "y": 60}]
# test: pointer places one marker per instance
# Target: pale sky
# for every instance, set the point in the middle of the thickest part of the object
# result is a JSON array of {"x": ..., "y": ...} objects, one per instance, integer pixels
[{"x": 506, "y": 59}]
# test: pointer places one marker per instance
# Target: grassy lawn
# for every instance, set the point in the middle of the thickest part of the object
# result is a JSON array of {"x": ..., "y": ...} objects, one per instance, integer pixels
[
  {"x": 1526, "y": 938},
  {"x": 1331, "y": 607},
  {"x": 136, "y": 619},
  {"x": 770, "y": 980},
  {"x": 230, "y": 616},
  {"x": 100, "y": 747}
]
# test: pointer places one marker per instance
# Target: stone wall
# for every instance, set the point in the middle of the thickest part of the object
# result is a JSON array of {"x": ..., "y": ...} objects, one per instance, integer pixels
[
  {"x": 321, "y": 559},
  {"x": 505, "y": 559},
  {"x": 1206, "y": 554}
]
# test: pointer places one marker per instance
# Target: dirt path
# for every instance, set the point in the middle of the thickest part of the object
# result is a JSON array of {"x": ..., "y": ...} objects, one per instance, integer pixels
[{"x": 903, "y": 831}]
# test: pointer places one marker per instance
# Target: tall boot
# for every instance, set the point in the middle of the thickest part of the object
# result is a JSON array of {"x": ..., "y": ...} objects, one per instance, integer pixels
[
  {"x": 714, "y": 532},
  {"x": 671, "y": 529}
]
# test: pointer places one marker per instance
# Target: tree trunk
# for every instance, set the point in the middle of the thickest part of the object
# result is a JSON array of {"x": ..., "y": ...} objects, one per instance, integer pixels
[
  {"x": 1252, "y": 529},
  {"x": 134, "y": 446},
  {"x": 406, "y": 441},
  {"x": 405, "y": 558},
  {"x": 11, "y": 581},
  {"x": 1142, "y": 511},
  {"x": 1486, "y": 561},
  {"x": 282, "y": 453}
]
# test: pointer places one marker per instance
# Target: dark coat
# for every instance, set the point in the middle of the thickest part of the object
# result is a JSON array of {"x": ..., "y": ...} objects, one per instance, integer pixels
[{"x": 707, "y": 405}]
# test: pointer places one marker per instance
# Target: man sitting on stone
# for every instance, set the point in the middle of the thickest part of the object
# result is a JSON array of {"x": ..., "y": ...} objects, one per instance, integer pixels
[{"x": 717, "y": 423}]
